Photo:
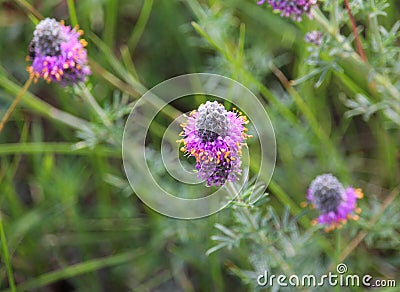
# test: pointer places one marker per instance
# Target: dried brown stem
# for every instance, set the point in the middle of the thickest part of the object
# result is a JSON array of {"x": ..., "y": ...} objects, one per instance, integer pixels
[
  {"x": 15, "y": 103},
  {"x": 357, "y": 40}
]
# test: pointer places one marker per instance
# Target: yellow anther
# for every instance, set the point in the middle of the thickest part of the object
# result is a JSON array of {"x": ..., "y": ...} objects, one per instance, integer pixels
[{"x": 83, "y": 42}]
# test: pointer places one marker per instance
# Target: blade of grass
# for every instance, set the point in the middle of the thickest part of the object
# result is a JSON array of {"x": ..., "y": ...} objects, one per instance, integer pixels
[
  {"x": 29, "y": 8},
  {"x": 140, "y": 25},
  {"x": 168, "y": 110},
  {"x": 79, "y": 269},
  {"x": 110, "y": 22},
  {"x": 116, "y": 64},
  {"x": 126, "y": 58},
  {"x": 72, "y": 12},
  {"x": 15, "y": 205},
  {"x": 6, "y": 256},
  {"x": 59, "y": 148}
]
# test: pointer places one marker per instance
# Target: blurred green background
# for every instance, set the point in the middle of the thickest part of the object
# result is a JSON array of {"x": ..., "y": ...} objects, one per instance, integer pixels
[{"x": 70, "y": 218}]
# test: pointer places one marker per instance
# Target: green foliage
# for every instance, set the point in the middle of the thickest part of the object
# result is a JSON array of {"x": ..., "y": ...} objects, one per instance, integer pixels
[{"x": 68, "y": 216}]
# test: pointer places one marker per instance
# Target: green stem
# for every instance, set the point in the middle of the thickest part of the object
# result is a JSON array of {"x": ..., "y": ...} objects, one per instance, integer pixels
[
  {"x": 93, "y": 103},
  {"x": 6, "y": 256},
  {"x": 140, "y": 25},
  {"x": 338, "y": 243},
  {"x": 335, "y": 16},
  {"x": 374, "y": 27},
  {"x": 337, "y": 252},
  {"x": 72, "y": 12}
]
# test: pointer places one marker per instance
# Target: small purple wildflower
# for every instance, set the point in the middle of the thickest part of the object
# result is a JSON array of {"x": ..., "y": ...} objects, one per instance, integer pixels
[
  {"x": 57, "y": 53},
  {"x": 215, "y": 136},
  {"x": 291, "y": 8},
  {"x": 314, "y": 37},
  {"x": 335, "y": 203}
]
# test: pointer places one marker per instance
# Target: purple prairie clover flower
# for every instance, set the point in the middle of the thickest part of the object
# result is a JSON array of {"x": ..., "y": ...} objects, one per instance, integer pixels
[
  {"x": 57, "y": 53},
  {"x": 215, "y": 137},
  {"x": 314, "y": 37},
  {"x": 335, "y": 203},
  {"x": 291, "y": 8}
]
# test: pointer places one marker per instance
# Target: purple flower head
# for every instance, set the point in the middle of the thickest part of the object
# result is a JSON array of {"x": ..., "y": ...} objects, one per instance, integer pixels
[
  {"x": 335, "y": 203},
  {"x": 57, "y": 53},
  {"x": 215, "y": 136},
  {"x": 314, "y": 37},
  {"x": 292, "y": 8}
]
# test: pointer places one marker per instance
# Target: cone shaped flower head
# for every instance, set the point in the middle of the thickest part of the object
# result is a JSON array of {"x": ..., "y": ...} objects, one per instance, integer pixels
[
  {"x": 335, "y": 203},
  {"x": 291, "y": 8},
  {"x": 57, "y": 53},
  {"x": 215, "y": 137}
]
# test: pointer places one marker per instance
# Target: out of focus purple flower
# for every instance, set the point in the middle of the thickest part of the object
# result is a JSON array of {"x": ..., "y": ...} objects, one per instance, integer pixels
[
  {"x": 335, "y": 203},
  {"x": 314, "y": 37},
  {"x": 215, "y": 136},
  {"x": 291, "y": 8},
  {"x": 57, "y": 53}
]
